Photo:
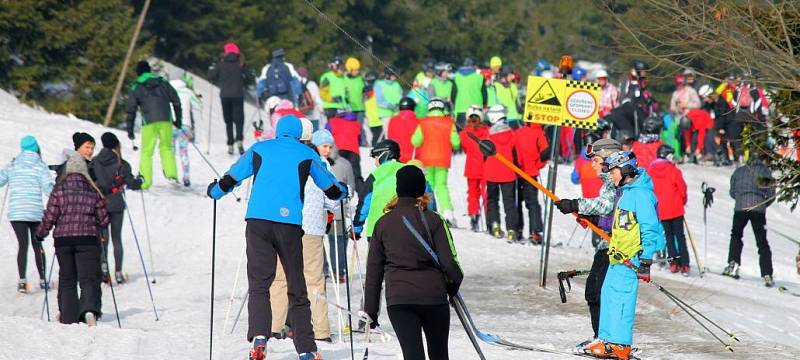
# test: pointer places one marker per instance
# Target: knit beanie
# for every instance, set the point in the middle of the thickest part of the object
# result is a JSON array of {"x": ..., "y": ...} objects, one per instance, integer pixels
[
  {"x": 79, "y": 138},
  {"x": 28, "y": 143},
  {"x": 410, "y": 182},
  {"x": 322, "y": 137},
  {"x": 142, "y": 67},
  {"x": 109, "y": 140},
  {"x": 231, "y": 48}
]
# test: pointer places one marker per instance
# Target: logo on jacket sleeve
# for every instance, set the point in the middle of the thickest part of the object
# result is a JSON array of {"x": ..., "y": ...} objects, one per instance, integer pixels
[{"x": 284, "y": 212}]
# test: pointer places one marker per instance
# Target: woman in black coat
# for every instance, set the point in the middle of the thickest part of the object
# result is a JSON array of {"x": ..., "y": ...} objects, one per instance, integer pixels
[{"x": 402, "y": 250}]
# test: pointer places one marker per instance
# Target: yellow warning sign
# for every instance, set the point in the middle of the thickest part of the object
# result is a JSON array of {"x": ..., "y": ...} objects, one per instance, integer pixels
[{"x": 562, "y": 102}]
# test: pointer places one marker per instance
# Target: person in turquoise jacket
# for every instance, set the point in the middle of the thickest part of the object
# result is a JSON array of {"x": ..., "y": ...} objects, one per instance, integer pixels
[
  {"x": 388, "y": 94},
  {"x": 29, "y": 180},
  {"x": 635, "y": 233}
]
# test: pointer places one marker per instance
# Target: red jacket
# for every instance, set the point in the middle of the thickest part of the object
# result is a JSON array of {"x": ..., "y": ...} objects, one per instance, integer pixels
[
  {"x": 587, "y": 176},
  {"x": 401, "y": 128},
  {"x": 473, "y": 168},
  {"x": 493, "y": 169},
  {"x": 670, "y": 189},
  {"x": 345, "y": 133},
  {"x": 530, "y": 142},
  {"x": 701, "y": 119},
  {"x": 645, "y": 153}
]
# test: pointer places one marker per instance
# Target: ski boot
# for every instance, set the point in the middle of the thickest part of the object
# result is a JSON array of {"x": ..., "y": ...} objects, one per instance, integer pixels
[
  {"x": 604, "y": 350},
  {"x": 496, "y": 231},
  {"x": 90, "y": 319},
  {"x": 230, "y": 149},
  {"x": 259, "y": 350},
  {"x": 674, "y": 268},
  {"x": 473, "y": 224},
  {"x": 310, "y": 356},
  {"x": 685, "y": 270},
  {"x": 512, "y": 236},
  {"x": 768, "y": 281},
  {"x": 22, "y": 286},
  {"x": 731, "y": 270},
  {"x": 535, "y": 238},
  {"x": 240, "y": 146},
  {"x": 120, "y": 278}
]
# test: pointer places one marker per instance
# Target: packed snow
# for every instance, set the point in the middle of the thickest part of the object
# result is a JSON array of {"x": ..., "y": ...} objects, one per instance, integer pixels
[{"x": 500, "y": 286}]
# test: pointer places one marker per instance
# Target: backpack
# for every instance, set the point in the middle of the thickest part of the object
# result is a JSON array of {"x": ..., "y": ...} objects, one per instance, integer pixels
[
  {"x": 278, "y": 79},
  {"x": 304, "y": 100}
]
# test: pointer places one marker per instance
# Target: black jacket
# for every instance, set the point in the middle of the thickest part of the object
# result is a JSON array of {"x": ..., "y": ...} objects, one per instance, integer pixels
[
  {"x": 231, "y": 75},
  {"x": 157, "y": 99},
  {"x": 753, "y": 187},
  {"x": 113, "y": 175},
  {"x": 412, "y": 276}
]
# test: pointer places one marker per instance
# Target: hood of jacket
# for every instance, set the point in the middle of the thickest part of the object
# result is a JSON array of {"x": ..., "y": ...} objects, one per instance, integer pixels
[
  {"x": 502, "y": 137},
  {"x": 661, "y": 168},
  {"x": 148, "y": 79},
  {"x": 289, "y": 126},
  {"x": 106, "y": 157},
  {"x": 466, "y": 70}
]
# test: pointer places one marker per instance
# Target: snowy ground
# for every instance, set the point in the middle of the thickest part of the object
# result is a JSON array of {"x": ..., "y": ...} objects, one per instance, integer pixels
[{"x": 501, "y": 283}]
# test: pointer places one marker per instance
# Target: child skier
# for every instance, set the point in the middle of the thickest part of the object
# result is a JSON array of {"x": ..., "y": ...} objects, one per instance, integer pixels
[
  {"x": 499, "y": 178},
  {"x": 670, "y": 189},
  {"x": 635, "y": 232},
  {"x": 473, "y": 168},
  {"x": 532, "y": 152},
  {"x": 402, "y": 126},
  {"x": 346, "y": 131},
  {"x": 28, "y": 180},
  {"x": 435, "y": 139},
  {"x": 182, "y": 136}
]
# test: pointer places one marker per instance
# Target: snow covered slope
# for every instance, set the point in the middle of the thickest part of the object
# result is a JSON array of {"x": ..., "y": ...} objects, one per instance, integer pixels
[{"x": 500, "y": 285}]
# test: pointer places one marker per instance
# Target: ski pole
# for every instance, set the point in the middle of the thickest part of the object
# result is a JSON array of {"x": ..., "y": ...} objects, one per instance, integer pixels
[
  {"x": 347, "y": 285},
  {"x": 147, "y": 232},
  {"x": 682, "y": 307},
  {"x": 675, "y": 298},
  {"x": 572, "y": 234},
  {"x": 239, "y": 313},
  {"x": 110, "y": 283},
  {"x": 335, "y": 275},
  {"x": 238, "y": 199},
  {"x": 458, "y": 305},
  {"x": 235, "y": 285},
  {"x": 141, "y": 258},
  {"x": 213, "y": 268},
  {"x": 46, "y": 285},
  {"x": 5, "y": 198},
  {"x": 49, "y": 281},
  {"x": 583, "y": 239},
  {"x": 694, "y": 247}
]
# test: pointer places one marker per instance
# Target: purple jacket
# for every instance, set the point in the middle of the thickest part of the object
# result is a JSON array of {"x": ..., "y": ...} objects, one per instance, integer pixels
[{"x": 75, "y": 209}]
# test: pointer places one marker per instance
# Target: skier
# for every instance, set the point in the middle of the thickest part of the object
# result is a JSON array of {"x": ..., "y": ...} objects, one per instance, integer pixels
[
  {"x": 274, "y": 228},
  {"x": 635, "y": 232},
  {"x": 83, "y": 144},
  {"x": 670, "y": 189},
  {"x": 473, "y": 166},
  {"x": 402, "y": 127},
  {"x": 435, "y": 139},
  {"x": 315, "y": 210},
  {"x": 468, "y": 89},
  {"x": 388, "y": 94},
  {"x": 338, "y": 239},
  {"x": 113, "y": 176},
  {"x": 504, "y": 92},
  {"x": 532, "y": 155},
  {"x": 181, "y": 137},
  {"x": 332, "y": 88},
  {"x": 378, "y": 189},
  {"x": 231, "y": 74},
  {"x": 370, "y": 107},
  {"x": 346, "y": 131},
  {"x": 277, "y": 78},
  {"x": 599, "y": 207},
  {"x": 28, "y": 180},
  {"x": 154, "y": 95},
  {"x": 646, "y": 146},
  {"x": 441, "y": 86},
  {"x": 499, "y": 178},
  {"x": 584, "y": 172},
  {"x": 417, "y": 288},
  {"x": 78, "y": 211},
  {"x": 609, "y": 95},
  {"x": 719, "y": 111},
  {"x": 753, "y": 188},
  {"x": 310, "y": 103},
  {"x": 354, "y": 87}
]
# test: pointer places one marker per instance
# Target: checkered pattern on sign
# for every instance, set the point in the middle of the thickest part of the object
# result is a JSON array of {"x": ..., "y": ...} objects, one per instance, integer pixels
[
  {"x": 582, "y": 85},
  {"x": 582, "y": 124}
]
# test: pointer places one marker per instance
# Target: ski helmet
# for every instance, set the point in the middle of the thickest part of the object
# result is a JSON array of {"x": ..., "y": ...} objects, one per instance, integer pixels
[
  {"x": 665, "y": 152},
  {"x": 441, "y": 66},
  {"x": 352, "y": 64},
  {"x": 429, "y": 64},
  {"x": 437, "y": 104},
  {"x": 388, "y": 71},
  {"x": 370, "y": 77},
  {"x": 407, "y": 103},
  {"x": 496, "y": 114},
  {"x": 639, "y": 65},
  {"x": 386, "y": 150},
  {"x": 278, "y": 53},
  {"x": 578, "y": 73},
  {"x": 705, "y": 90},
  {"x": 469, "y": 61},
  {"x": 623, "y": 160},
  {"x": 652, "y": 125},
  {"x": 495, "y": 62},
  {"x": 475, "y": 110},
  {"x": 602, "y": 125},
  {"x": 541, "y": 66},
  {"x": 603, "y": 147},
  {"x": 336, "y": 62},
  {"x": 602, "y": 73},
  {"x": 505, "y": 70}
]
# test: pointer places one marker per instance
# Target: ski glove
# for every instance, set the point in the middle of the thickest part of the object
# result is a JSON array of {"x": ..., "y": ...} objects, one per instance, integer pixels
[
  {"x": 644, "y": 270},
  {"x": 487, "y": 148},
  {"x": 567, "y": 206},
  {"x": 374, "y": 318},
  {"x": 130, "y": 134},
  {"x": 452, "y": 289}
]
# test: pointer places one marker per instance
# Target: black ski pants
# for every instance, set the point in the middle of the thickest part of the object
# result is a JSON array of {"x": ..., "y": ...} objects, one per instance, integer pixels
[
  {"x": 233, "y": 114},
  {"x": 410, "y": 320},
  {"x": 26, "y": 232},
  {"x": 509, "y": 194},
  {"x": 78, "y": 265},
  {"x": 594, "y": 284},
  {"x": 266, "y": 241},
  {"x": 530, "y": 195},
  {"x": 673, "y": 232},
  {"x": 759, "y": 222},
  {"x": 115, "y": 225}
]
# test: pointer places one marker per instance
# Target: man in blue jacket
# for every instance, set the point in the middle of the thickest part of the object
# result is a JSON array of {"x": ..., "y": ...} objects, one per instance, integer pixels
[{"x": 280, "y": 168}]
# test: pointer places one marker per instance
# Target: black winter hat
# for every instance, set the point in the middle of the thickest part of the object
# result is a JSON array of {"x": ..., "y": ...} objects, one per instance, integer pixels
[
  {"x": 109, "y": 140},
  {"x": 79, "y": 138},
  {"x": 142, "y": 67},
  {"x": 410, "y": 182}
]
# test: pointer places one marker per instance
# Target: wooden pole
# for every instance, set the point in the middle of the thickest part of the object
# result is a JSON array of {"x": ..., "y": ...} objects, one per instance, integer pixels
[{"x": 125, "y": 64}]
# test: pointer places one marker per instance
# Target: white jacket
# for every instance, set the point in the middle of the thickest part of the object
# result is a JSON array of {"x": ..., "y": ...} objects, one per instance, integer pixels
[{"x": 315, "y": 207}]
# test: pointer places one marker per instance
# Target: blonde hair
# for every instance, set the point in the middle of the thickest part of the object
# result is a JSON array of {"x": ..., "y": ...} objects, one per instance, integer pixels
[{"x": 422, "y": 202}]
